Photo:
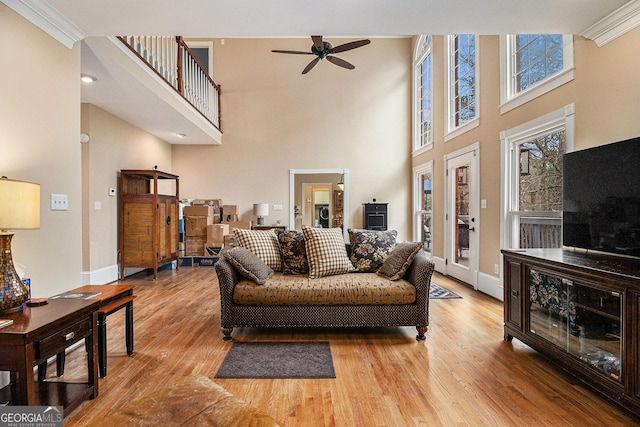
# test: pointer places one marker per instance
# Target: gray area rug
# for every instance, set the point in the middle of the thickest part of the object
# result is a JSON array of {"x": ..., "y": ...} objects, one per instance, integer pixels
[
  {"x": 438, "y": 292},
  {"x": 278, "y": 360}
]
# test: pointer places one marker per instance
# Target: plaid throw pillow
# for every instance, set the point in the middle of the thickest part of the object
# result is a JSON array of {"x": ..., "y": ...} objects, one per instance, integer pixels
[
  {"x": 263, "y": 243},
  {"x": 399, "y": 260},
  {"x": 326, "y": 252}
]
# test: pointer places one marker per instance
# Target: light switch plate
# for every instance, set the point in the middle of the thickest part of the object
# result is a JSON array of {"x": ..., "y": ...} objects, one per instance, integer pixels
[{"x": 59, "y": 202}]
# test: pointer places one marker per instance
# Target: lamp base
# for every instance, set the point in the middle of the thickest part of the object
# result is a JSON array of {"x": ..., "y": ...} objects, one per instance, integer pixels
[
  {"x": 13, "y": 293},
  {"x": 260, "y": 220}
]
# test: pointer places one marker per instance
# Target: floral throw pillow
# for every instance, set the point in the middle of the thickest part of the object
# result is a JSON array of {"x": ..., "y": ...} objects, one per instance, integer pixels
[
  {"x": 293, "y": 252},
  {"x": 369, "y": 248}
]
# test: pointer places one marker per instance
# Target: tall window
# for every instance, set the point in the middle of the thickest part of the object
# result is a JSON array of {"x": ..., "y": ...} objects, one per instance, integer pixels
[
  {"x": 533, "y": 155},
  {"x": 534, "y": 64},
  {"x": 423, "y": 85},
  {"x": 423, "y": 205},
  {"x": 463, "y": 95}
]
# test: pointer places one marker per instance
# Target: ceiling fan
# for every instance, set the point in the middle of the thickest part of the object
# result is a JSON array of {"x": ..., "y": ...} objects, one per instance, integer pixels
[{"x": 324, "y": 49}]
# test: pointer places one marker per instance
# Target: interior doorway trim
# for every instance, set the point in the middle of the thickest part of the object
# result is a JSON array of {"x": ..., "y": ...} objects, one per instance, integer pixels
[{"x": 292, "y": 185}]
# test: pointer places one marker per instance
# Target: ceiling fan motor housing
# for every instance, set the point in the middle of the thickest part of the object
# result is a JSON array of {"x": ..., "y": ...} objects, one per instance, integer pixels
[{"x": 322, "y": 53}]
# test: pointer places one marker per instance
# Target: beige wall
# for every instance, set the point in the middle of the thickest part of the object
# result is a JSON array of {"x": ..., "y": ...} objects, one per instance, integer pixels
[
  {"x": 39, "y": 141},
  {"x": 274, "y": 119},
  {"x": 606, "y": 93},
  {"x": 114, "y": 145}
]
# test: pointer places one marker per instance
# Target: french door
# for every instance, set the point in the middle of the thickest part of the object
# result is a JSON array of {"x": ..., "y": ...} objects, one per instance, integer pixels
[{"x": 461, "y": 219}]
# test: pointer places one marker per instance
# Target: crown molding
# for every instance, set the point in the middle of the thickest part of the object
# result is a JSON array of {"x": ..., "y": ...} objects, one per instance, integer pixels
[
  {"x": 615, "y": 24},
  {"x": 48, "y": 19}
]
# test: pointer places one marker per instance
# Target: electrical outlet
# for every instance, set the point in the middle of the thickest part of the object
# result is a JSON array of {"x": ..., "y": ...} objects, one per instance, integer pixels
[
  {"x": 59, "y": 202},
  {"x": 496, "y": 268}
]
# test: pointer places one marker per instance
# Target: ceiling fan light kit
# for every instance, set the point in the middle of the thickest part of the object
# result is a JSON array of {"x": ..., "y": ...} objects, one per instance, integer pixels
[{"x": 323, "y": 49}]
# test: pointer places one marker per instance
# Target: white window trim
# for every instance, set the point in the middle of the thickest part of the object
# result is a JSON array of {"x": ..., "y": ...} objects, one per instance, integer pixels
[
  {"x": 417, "y": 118},
  {"x": 509, "y": 142},
  {"x": 508, "y": 98},
  {"x": 418, "y": 171},
  {"x": 454, "y": 132}
]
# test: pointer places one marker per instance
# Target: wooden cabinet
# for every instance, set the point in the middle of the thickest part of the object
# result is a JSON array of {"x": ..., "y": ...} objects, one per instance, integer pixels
[
  {"x": 582, "y": 312},
  {"x": 148, "y": 233}
]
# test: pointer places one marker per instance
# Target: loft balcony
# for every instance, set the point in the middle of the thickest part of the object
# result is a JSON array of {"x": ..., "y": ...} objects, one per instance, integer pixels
[{"x": 154, "y": 83}]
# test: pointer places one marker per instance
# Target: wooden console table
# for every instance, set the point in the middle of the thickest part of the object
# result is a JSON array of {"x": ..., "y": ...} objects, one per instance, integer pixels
[
  {"x": 580, "y": 311},
  {"x": 38, "y": 333}
]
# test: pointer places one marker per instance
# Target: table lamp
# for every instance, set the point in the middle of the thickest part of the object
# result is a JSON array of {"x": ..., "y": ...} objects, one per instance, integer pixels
[
  {"x": 261, "y": 210},
  {"x": 19, "y": 210}
]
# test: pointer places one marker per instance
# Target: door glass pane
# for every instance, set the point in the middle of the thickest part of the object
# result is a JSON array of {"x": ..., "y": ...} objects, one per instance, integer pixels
[
  {"x": 461, "y": 219},
  {"x": 426, "y": 210},
  {"x": 549, "y": 307}
]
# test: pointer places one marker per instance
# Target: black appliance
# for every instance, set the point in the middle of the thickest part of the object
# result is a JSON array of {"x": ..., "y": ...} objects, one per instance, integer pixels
[{"x": 374, "y": 216}]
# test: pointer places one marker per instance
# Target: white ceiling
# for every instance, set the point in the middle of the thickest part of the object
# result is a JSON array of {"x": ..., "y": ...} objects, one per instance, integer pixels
[
  {"x": 124, "y": 96},
  {"x": 297, "y": 18}
]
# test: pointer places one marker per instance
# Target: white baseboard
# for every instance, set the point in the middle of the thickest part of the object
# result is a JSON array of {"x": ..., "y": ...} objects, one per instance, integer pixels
[
  {"x": 490, "y": 285},
  {"x": 101, "y": 276}
]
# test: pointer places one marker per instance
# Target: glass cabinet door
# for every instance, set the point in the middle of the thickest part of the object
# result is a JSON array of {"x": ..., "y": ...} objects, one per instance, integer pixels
[{"x": 583, "y": 320}]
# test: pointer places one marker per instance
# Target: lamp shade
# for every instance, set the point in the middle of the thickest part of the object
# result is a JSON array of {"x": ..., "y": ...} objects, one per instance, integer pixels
[
  {"x": 261, "y": 209},
  {"x": 19, "y": 205}
]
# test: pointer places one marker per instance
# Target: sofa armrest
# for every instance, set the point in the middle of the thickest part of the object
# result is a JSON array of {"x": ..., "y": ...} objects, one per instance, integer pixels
[
  {"x": 228, "y": 278},
  {"x": 419, "y": 275}
]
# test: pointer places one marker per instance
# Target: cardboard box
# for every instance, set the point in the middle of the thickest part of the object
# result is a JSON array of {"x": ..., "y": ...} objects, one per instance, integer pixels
[
  {"x": 197, "y": 225},
  {"x": 230, "y": 240},
  {"x": 246, "y": 225},
  {"x": 216, "y": 232},
  {"x": 204, "y": 261},
  {"x": 230, "y": 209},
  {"x": 198, "y": 210},
  {"x": 185, "y": 261},
  {"x": 215, "y": 203},
  {"x": 229, "y": 218},
  {"x": 212, "y": 248},
  {"x": 195, "y": 246}
]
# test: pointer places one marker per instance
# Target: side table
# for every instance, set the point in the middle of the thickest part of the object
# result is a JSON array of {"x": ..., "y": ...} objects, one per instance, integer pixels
[
  {"x": 111, "y": 299},
  {"x": 38, "y": 333}
]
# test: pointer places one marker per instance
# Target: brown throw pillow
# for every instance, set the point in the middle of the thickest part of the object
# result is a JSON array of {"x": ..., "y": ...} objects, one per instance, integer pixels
[
  {"x": 248, "y": 264},
  {"x": 399, "y": 260}
]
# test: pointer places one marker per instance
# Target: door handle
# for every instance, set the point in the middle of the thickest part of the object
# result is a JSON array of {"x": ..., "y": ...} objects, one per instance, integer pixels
[{"x": 472, "y": 229}]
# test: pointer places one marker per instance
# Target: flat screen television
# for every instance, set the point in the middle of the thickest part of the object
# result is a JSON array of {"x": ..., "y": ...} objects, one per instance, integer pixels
[{"x": 601, "y": 198}]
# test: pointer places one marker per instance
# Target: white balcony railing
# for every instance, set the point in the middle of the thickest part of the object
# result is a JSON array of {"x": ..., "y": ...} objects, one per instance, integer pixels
[{"x": 172, "y": 60}]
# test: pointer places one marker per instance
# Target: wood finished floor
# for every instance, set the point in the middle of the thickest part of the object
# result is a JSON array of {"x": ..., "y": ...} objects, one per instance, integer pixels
[{"x": 463, "y": 374}]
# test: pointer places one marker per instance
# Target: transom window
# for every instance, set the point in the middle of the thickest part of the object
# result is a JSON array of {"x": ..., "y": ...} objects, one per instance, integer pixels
[
  {"x": 463, "y": 97},
  {"x": 534, "y": 64},
  {"x": 423, "y": 71},
  {"x": 536, "y": 57}
]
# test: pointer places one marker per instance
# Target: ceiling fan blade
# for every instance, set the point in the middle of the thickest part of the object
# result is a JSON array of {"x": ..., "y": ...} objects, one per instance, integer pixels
[
  {"x": 340, "y": 62},
  {"x": 295, "y": 52},
  {"x": 310, "y": 65},
  {"x": 350, "y": 45},
  {"x": 317, "y": 42}
]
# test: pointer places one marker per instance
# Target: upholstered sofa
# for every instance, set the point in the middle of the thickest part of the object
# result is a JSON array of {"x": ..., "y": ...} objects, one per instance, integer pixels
[{"x": 372, "y": 281}]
